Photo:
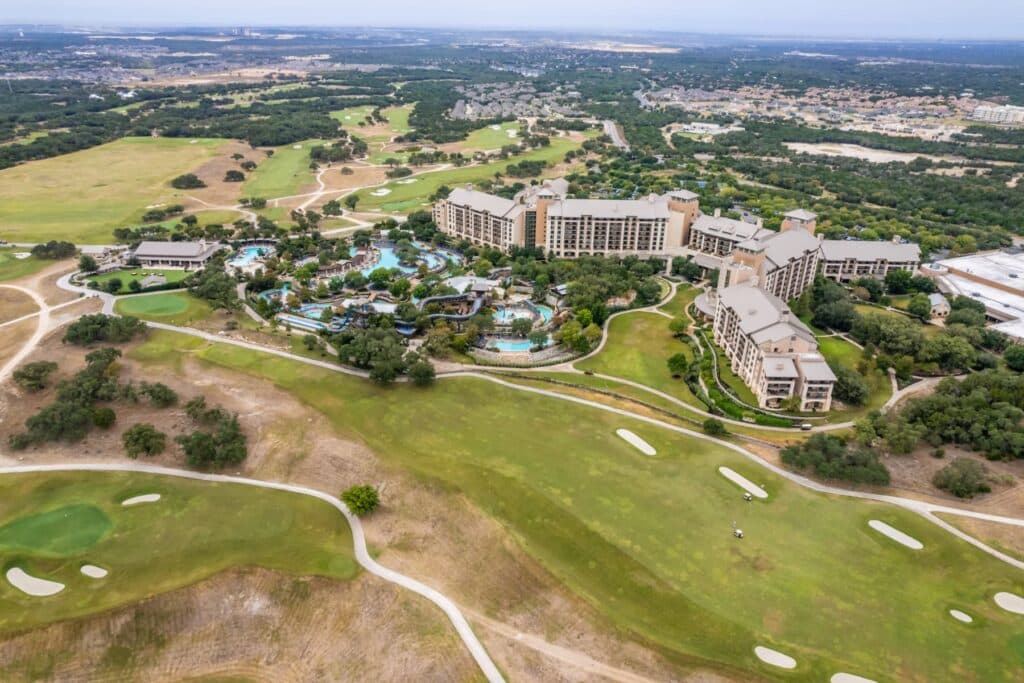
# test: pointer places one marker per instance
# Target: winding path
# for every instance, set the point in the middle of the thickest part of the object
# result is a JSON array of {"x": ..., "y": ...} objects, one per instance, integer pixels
[{"x": 451, "y": 610}]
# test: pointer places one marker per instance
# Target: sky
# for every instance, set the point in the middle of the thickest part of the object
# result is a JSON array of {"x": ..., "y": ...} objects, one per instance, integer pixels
[{"x": 951, "y": 19}]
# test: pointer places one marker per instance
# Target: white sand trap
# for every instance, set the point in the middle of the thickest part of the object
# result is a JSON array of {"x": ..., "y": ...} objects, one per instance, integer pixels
[
  {"x": 512, "y": 133},
  {"x": 296, "y": 146},
  {"x": 774, "y": 657},
  {"x": 895, "y": 534},
  {"x": 94, "y": 572},
  {"x": 21, "y": 255},
  {"x": 849, "y": 678},
  {"x": 743, "y": 482},
  {"x": 1010, "y": 602},
  {"x": 145, "y": 498},
  {"x": 635, "y": 441},
  {"x": 408, "y": 181},
  {"x": 961, "y": 616},
  {"x": 495, "y": 127},
  {"x": 32, "y": 585},
  {"x": 192, "y": 142},
  {"x": 382, "y": 192}
]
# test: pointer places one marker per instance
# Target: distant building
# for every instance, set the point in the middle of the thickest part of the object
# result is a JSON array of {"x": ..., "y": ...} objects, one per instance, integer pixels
[
  {"x": 846, "y": 260},
  {"x": 186, "y": 255},
  {"x": 771, "y": 350}
]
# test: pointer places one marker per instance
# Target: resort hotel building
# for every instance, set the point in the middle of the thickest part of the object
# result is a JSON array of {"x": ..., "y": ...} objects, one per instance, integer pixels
[
  {"x": 759, "y": 270},
  {"x": 771, "y": 350}
]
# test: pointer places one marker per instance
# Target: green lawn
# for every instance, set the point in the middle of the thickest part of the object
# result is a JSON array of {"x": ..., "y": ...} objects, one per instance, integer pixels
[
  {"x": 81, "y": 197},
  {"x": 839, "y": 352},
  {"x": 128, "y": 276},
  {"x": 285, "y": 173},
  {"x": 173, "y": 308},
  {"x": 685, "y": 294},
  {"x": 648, "y": 541},
  {"x": 51, "y": 524},
  {"x": 350, "y": 118},
  {"x": 12, "y": 268},
  {"x": 638, "y": 348},
  {"x": 406, "y": 197}
]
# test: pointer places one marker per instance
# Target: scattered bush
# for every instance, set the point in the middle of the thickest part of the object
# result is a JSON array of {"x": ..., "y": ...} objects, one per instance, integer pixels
[
  {"x": 831, "y": 458},
  {"x": 361, "y": 500},
  {"x": 143, "y": 439},
  {"x": 33, "y": 376},
  {"x": 160, "y": 395},
  {"x": 104, "y": 417},
  {"x": 963, "y": 478},
  {"x": 188, "y": 181},
  {"x": 714, "y": 427},
  {"x": 110, "y": 329}
]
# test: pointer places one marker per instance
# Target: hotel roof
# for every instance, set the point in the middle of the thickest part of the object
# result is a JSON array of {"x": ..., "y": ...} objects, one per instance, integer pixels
[
  {"x": 720, "y": 226},
  {"x": 783, "y": 247},
  {"x": 841, "y": 250},
  {"x": 763, "y": 317},
  {"x": 481, "y": 201},
  {"x": 656, "y": 207},
  {"x": 801, "y": 215}
]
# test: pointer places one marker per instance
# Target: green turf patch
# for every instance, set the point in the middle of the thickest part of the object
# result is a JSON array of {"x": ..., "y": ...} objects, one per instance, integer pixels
[
  {"x": 173, "y": 308},
  {"x": 195, "y": 530},
  {"x": 647, "y": 541},
  {"x": 12, "y": 268},
  {"x": 64, "y": 531}
]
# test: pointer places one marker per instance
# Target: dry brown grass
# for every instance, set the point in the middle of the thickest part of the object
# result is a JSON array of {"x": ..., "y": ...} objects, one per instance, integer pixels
[{"x": 14, "y": 304}]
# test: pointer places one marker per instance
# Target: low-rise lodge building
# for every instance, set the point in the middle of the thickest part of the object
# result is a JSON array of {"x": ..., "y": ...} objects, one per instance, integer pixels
[
  {"x": 848, "y": 260},
  {"x": 187, "y": 255}
]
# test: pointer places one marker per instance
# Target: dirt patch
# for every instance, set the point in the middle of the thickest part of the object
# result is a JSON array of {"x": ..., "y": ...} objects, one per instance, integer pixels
[
  {"x": 15, "y": 304},
  {"x": 12, "y": 338},
  {"x": 217, "y": 192},
  {"x": 252, "y": 623},
  {"x": 913, "y": 474},
  {"x": 361, "y": 176}
]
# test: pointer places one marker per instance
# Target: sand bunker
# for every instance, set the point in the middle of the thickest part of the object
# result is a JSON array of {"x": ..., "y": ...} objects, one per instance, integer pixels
[
  {"x": 382, "y": 192},
  {"x": 743, "y": 482},
  {"x": 1010, "y": 602},
  {"x": 895, "y": 534},
  {"x": 93, "y": 572},
  {"x": 495, "y": 127},
  {"x": 512, "y": 133},
  {"x": 961, "y": 616},
  {"x": 849, "y": 678},
  {"x": 408, "y": 181},
  {"x": 637, "y": 442},
  {"x": 146, "y": 498},
  {"x": 774, "y": 657},
  {"x": 32, "y": 585}
]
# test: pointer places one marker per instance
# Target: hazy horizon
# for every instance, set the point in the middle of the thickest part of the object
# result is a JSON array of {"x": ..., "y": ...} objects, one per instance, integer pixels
[{"x": 870, "y": 19}]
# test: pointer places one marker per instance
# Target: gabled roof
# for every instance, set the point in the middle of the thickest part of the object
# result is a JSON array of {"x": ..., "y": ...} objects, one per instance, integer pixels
[{"x": 184, "y": 250}]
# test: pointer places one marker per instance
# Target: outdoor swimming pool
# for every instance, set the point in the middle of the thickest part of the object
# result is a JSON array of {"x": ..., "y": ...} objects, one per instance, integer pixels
[
  {"x": 389, "y": 259},
  {"x": 513, "y": 345},
  {"x": 504, "y": 315},
  {"x": 247, "y": 255}
]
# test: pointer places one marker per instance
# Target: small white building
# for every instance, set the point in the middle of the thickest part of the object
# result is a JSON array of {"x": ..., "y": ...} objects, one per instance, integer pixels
[{"x": 940, "y": 306}]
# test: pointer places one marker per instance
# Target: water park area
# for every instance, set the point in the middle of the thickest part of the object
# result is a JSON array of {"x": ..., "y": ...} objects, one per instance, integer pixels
[
  {"x": 246, "y": 256},
  {"x": 388, "y": 255},
  {"x": 506, "y": 314}
]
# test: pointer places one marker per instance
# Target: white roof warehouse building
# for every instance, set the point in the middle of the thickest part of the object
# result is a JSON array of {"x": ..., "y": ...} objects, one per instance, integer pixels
[
  {"x": 995, "y": 279},
  {"x": 186, "y": 255}
]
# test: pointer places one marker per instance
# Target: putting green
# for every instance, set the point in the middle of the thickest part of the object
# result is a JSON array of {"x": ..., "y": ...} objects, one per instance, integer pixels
[
  {"x": 64, "y": 531},
  {"x": 12, "y": 268},
  {"x": 173, "y": 308},
  {"x": 647, "y": 541},
  {"x": 195, "y": 530}
]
